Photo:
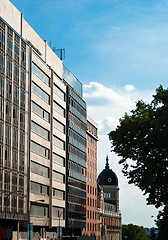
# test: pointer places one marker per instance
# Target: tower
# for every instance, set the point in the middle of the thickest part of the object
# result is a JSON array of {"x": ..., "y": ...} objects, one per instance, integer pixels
[
  {"x": 108, "y": 180},
  {"x": 108, "y": 208}
]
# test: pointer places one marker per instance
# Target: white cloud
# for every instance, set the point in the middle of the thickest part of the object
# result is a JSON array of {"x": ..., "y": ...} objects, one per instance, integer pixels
[
  {"x": 101, "y": 95},
  {"x": 105, "y": 106},
  {"x": 129, "y": 88}
]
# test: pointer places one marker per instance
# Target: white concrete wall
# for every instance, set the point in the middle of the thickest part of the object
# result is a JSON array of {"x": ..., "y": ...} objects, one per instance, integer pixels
[
  {"x": 11, "y": 15},
  {"x": 14, "y": 18}
]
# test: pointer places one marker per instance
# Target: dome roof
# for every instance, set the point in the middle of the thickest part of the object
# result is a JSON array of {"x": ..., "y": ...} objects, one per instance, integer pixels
[{"x": 107, "y": 176}]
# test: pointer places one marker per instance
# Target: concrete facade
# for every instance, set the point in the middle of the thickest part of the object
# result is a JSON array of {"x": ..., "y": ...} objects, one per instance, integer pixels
[{"x": 48, "y": 134}]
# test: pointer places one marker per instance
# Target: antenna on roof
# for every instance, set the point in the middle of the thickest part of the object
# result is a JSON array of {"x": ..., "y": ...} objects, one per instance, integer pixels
[{"x": 60, "y": 52}]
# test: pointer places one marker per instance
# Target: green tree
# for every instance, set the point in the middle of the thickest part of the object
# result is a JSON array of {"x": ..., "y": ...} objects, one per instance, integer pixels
[
  {"x": 134, "y": 232},
  {"x": 141, "y": 140},
  {"x": 153, "y": 235}
]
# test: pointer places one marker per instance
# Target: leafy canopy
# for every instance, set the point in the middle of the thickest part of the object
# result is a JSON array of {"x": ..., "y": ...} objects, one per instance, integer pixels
[
  {"x": 134, "y": 232},
  {"x": 141, "y": 140}
]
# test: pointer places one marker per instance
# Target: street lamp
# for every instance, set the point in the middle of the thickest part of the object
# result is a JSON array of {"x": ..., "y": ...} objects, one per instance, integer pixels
[
  {"x": 7, "y": 195},
  {"x": 59, "y": 223},
  {"x": 29, "y": 224}
]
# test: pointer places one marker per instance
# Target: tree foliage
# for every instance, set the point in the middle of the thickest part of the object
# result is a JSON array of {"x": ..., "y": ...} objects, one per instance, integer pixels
[
  {"x": 134, "y": 232},
  {"x": 141, "y": 140}
]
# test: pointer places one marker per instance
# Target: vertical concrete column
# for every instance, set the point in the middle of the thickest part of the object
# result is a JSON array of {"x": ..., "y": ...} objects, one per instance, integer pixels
[
  {"x": 18, "y": 224},
  {"x": 51, "y": 149},
  {"x": 45, "y": 57}
]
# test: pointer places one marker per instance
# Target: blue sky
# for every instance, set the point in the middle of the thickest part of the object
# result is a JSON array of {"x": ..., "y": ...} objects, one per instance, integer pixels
[
  {"x": 118, "y": 49},
  {"x": 118, "y": 41}
]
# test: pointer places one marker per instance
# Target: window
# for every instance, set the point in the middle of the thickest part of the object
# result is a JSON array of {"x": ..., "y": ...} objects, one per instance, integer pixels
[
  {"x": 39, "y": 169},
  {"x": 90, "y": 202},
  {"x": 58, "y": 125},
  {"x": 58, "y": 142},
  {"x": 59, "y": 109},
  {"x": 21, "y": 162},
  {"x": 90, "y": 215},
  {"x": 57, "y": 212},
  {"x": 40, "y": 112},
  {"x": 58, "y": 159},
  {"x": 42, "y": 94},
  {"x": 59, "y": 92},
  {"x": 38, "y": 211},
  {"x": 41, "y": 74},
  {"x": 40, "y": 150},
  {"x": 22, "y": 140},
  {"x": 39, "y": 189},
  {"x": 58, "y": 177},
  {"x": 40, "y": 131},
  {"x": 16, "y": 94},
  {"x": 58, "y": 194}
]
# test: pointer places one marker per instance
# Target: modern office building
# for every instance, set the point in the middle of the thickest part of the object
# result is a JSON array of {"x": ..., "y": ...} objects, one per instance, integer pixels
[
  {"x": 75, "y": 156},
  {"x": 14, "y": 126},
  {"x": 43, "y": 135},
  {"x": 109, "y": 216},
  {"x": 91, "y": 187}
]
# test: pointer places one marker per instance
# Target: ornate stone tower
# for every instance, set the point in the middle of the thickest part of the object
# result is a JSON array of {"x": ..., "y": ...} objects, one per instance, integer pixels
[{"x": 108, "y": 180}]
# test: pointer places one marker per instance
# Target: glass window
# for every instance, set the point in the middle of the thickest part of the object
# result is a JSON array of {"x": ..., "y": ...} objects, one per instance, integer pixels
[
  {"x": 40, "y": 131},
  {"x": 40, "y": 150},
  {"x": 42, "y": 94},
  {"x": 59, "y": 92},
  {"x": 58, "y": 142},
  {"x": 58, "y": 125},
  {"x": 58, "y": 177},
  {"x": 38, "y": 211},
  {"x": 57, "y": 212},
  {"x": 39, "y": 169},
  {"x": 58, "y": 194},
  {"x": 41, "y": 74},
  {"x": 40, "y": 112},
  {"x": 39, "y": 189},
  {"x": 58, "y": 159},
  {"x": 59, "y": 109}
]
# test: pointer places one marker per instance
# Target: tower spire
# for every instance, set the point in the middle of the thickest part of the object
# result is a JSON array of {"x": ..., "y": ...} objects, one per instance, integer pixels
[{"x": 107, "y": 164}]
